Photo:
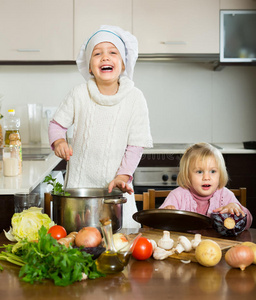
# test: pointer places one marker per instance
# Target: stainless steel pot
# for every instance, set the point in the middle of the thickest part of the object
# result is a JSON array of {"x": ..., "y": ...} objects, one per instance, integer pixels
[{"x": 86, "y": 206}]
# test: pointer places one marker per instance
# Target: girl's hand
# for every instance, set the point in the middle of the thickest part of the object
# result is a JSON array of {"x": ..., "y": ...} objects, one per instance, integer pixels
[
  {"x": 62, "y": 149},
  {"x": 120, "y": 182},
  {"x": 232, "y": 208},
  {"x": 169, "y": 207}
]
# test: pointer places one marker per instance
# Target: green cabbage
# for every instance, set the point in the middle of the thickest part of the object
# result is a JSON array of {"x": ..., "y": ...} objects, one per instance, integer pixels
[{"x": 27, "y": 223}]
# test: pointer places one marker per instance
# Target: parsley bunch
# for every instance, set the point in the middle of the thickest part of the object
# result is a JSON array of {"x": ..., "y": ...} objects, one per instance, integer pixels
[
  {"x": 47, "y": 259},
  {"x": 57, "y": 187}
]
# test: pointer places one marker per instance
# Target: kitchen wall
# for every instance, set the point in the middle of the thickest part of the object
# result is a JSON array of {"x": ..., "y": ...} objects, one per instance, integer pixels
[{"x": 188, "y": 102}]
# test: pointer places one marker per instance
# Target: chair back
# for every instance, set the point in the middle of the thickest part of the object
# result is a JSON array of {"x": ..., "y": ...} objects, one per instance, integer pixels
[
  {"x": 144, "y": 198},
  {"x": 153, "y": 194},
  {"x": 240, "y": 194}
]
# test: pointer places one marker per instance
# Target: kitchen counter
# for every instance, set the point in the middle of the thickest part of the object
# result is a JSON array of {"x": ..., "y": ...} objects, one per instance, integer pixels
[
  {"x": 33, "y": 173},
  {"x": 150, "y": 279},
  {"x": 179, "y": 148}
]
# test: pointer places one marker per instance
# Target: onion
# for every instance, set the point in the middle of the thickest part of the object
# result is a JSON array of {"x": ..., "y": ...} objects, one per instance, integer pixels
[
  {"x": 120, "y": 241},
  {"x": 239, "y": 256},
  {"x": 88, "y": 237},
  {"x": 253, "y": 247}
]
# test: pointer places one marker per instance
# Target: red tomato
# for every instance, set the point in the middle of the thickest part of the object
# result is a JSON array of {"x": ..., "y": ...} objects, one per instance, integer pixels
[
  {"x": 57, "y": 232},
  {"x": 143, "y": 249}
]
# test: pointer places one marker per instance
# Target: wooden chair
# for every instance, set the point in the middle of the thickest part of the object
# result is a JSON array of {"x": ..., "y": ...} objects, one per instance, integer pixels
[
  {"x": 240, "y": 194},
  {"x": 47, "y": 203},
  {"x": 144, "y": 198},
  {"x": 153, "y": 194}
]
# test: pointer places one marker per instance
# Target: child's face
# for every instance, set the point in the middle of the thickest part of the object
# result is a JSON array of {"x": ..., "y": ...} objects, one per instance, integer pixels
[
  {"x": 204, "y": 176},
  {"x": 106, "y": 63}
]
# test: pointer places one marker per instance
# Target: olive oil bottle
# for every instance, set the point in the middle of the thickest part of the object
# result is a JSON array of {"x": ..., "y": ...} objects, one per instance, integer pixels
[
  {"x": 113, "y": 261},
  {"x": 108, "y": 261},
  {"x": 12, "y": 134}
]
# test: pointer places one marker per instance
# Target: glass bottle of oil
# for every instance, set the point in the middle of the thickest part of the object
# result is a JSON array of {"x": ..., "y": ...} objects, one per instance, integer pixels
[
  {"x": 108, "y": 261},
  {"x": 112, "y": 261},
  {"x": 12, "y": 133}
]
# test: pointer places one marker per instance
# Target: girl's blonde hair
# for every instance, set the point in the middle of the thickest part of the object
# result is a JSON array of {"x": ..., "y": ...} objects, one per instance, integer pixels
[{"x": 201, "y": 151}]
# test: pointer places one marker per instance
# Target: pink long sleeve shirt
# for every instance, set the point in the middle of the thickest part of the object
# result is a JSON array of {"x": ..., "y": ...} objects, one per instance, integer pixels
[
  {"x": 182, "y": 199},
  {"x": 130, "y": 159}
]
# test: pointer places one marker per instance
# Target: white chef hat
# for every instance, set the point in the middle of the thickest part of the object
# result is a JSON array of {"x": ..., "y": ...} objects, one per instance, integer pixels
[{"x": 124, "y": 41}]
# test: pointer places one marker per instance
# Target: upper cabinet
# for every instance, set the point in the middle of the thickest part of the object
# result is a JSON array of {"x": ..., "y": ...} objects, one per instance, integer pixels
[
  {"x": 36, "y": 30},
  {"x": 90, "y": 15},
  {"x": 171, "y": 26},
  {"x": 237, "y": 4}
]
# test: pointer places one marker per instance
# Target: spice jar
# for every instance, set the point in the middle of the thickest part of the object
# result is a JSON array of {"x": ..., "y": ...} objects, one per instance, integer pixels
[{"x": 11, "y": 160}]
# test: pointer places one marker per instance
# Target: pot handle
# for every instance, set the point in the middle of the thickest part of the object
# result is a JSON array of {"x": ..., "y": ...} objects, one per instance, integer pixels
[{"x": 120, "y": 200}]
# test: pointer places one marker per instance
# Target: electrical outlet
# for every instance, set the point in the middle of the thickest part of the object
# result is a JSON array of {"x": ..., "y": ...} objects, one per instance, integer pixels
[{"x": 49, "y": 111}]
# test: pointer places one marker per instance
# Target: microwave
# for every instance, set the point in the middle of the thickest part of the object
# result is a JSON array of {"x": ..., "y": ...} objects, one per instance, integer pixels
[{"x": 237, "y": 36}]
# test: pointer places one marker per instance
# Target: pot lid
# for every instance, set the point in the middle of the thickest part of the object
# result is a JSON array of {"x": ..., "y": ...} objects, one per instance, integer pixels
[
  {"x": 93, "y": 193},
  {"x": 172, "y": 219}
]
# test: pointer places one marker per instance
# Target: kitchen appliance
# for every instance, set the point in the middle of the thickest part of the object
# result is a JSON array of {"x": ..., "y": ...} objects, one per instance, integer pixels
[
  {"x": 172, "y": 219},
  {"x": 158, "y": 178},
  {"x": 237, "y": 36},
  {"x": 250, "y": 145},
  {"x": 86, "y": 206}
]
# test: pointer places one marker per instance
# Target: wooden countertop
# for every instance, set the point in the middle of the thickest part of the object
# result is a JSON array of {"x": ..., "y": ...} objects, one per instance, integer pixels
[{"x": 150, "y": 279}]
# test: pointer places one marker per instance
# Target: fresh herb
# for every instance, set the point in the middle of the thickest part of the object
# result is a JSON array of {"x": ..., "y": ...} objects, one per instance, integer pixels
[
  {"x": 57, "y": 187},
  {"x": 47, "y": 259}
]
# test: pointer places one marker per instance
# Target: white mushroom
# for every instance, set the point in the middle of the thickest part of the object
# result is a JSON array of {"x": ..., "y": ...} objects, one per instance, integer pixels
[
  {"x": 160, "y": 253},
  {"x": 184, "y": 244},
  {"x": 165, "y": 242},
  {"x": 195, "y": 242}
]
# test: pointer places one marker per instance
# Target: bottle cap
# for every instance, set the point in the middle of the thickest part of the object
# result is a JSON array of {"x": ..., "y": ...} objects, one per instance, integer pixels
[{"x": 12, "y": 111}]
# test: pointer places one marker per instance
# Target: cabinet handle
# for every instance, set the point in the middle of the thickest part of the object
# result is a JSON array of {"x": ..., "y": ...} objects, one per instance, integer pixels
[
  {"x": 28, "y": 50},
  {"x": 174, "y": 43}
]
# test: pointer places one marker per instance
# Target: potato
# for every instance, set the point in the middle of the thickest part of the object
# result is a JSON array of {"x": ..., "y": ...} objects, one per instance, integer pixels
[{"x": 208, "y": 253}]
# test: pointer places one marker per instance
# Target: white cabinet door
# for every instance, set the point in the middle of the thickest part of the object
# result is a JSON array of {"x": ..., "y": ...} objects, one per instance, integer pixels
[
  {"x": 237, "y": 4},
  {"x": 36, "y": 30},
  {"x": 90, "y": 15},
  {"x": 176, "y": 26}
]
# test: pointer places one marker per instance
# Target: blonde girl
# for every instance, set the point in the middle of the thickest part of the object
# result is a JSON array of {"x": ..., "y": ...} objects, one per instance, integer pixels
[{"x": 202, "y": 179}]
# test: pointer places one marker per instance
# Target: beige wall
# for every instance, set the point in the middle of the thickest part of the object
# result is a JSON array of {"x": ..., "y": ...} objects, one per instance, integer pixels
[{"x": 188, "y": 102}]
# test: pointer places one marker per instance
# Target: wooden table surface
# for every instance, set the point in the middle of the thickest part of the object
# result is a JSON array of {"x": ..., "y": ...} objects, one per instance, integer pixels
[{"x": 150, "y": 279}]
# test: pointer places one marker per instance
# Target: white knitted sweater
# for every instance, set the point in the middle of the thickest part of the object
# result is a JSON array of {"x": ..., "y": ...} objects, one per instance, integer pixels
[{"x": 103, "y": 127}]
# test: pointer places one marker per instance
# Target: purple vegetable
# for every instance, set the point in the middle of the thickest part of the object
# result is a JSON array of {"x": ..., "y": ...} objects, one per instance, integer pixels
[
  {"x": 94, "y": 251},
  {"x": 228, "y": 224}
]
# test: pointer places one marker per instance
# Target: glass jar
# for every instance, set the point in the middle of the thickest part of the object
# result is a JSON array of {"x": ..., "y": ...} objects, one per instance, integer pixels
[{"x": 11, "y": 160}]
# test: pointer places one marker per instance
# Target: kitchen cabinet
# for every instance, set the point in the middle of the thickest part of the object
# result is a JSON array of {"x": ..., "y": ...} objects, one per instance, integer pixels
[
  {"x": 171, "y": 26},
  {"x": 237, "y": 4},
  {"x": 36, "y": 30},
  {"x": 88, "y": 17}
]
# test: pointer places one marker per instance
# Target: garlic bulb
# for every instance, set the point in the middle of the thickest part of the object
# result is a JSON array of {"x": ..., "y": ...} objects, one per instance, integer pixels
[{"x": 160, "y": 253}]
